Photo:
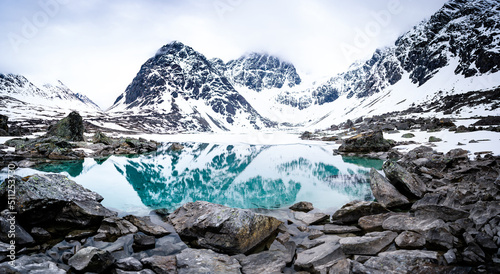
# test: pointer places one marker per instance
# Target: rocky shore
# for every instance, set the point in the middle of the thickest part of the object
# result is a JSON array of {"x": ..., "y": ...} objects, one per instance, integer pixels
[
  {"x": 65, "y": 140},
  {"x": 434, "y": 213}
]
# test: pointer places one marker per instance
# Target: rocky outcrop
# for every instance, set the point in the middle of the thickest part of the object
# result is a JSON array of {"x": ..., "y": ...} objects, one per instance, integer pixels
[
  {"x": 222, "y": 229},
  {"x": 70, "y": 128},
  {"x": 366, "y": 142}
]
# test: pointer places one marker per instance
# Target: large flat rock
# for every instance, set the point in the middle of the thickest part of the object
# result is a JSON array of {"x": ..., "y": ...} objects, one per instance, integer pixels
[
  {"x": 369, "y": 244},
  {"x": 321, "y": 256},
  {"x": 222, "y": 229},
  {"x": 206, "y": 261},
  {"x": 48, "y": 197}
]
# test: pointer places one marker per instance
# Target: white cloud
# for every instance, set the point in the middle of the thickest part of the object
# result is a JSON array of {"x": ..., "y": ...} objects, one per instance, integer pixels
[{"x": 96, "y": 47}]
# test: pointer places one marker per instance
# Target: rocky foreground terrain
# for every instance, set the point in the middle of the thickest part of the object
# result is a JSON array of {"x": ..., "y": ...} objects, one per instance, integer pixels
[{"x": 434, "y": 213}]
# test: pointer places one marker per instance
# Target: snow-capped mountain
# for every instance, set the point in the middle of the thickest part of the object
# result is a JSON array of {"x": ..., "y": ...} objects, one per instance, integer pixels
[
  {"x": 455, "y": 51},
  {"x": 259, "y": 71},
  {"x": 20, "y": 97},
  {"x": 185, "y": 89},
  {"x": 465, "y": 30}
]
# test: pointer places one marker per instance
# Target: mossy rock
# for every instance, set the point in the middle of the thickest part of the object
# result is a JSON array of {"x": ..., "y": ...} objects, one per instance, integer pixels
[
  {"x": 408, "y": 135},
  {"x": 70, "y": 128},
  {"x": 434, "y": 139}
]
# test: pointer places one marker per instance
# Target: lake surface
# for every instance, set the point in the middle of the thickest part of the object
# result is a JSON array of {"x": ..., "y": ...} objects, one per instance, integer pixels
[{"x": 243, "y": 176}]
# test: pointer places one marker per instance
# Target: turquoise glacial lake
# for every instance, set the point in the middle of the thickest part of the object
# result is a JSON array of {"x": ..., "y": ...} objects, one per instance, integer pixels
[{"x": 243, "y": 176}]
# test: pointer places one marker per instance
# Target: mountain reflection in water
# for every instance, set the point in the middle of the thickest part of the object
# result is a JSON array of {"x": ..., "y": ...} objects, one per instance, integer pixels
[{"x": 243, "y": 176}]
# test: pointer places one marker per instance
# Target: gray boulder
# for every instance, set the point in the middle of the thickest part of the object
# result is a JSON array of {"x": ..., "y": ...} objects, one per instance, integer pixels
[
  {"x": 310, "y": 218},
  {"x": 222, "y": 229},
  {"x": 54, "y": 197},
  {"x": 288, "y": 249},
  {"x": 263, "y": 262},
  {"x": 339, "y": 229},
  {"x": 369, "y": 244},
  {"x": 435, "y": 205},
  {"x": 321, "y": 256},
  {"x": 70, "y": 128},
  {"x": 114, "y": 227},
  {"x": 401, "y": 223},
  {"x": 404, "y": 181},
  {"x": 145, "y": 225},
  {"x": 302, "y": 206},
  {"x": 374, "y": 222},
  {"x": 206, "y": 261},
  {"x": 129, "y": 264},
  {"x": 91, "y": 259},
  {"x": 143, "y": 241},
  {"x": 385, "y": 193},
  {"x": 34, "y": 264},
  {"x": 400, "y": 261},
  {"x": 483, "y": 212},
  {"x": 22, "y": 237},
  {"x": 351, "y": 212},
  {"x": 410, "y": 240},
  {"x": 161, "y": 264}
]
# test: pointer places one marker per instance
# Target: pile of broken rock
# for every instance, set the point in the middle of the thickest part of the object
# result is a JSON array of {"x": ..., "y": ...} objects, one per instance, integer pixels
[{"x": 434, "y": 213}]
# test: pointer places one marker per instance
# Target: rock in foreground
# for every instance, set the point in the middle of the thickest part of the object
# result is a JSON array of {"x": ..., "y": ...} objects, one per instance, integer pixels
[
  {"x": 222, "y": 229},
  {"x": 49, "y": 197}
]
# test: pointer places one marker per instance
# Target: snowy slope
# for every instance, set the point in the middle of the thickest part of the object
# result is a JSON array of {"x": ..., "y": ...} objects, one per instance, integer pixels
[{"x": 22, "y": 99}]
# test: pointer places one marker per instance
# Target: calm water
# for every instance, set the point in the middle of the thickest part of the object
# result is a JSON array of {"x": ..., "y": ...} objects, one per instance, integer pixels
[{"x": 244, "y": 176}]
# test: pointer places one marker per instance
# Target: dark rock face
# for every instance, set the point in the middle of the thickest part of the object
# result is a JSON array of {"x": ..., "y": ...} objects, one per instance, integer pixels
[
  {"x": 222, "y": 229},
  {"x": 53, "y": 197},
  {"x": 385, "y": 193},
  {"x": 261, "y": 71},
  {"x": 91, "y": 259},
  {"x": 366, "y": 142},
  {"x": 70, "y": 128}
]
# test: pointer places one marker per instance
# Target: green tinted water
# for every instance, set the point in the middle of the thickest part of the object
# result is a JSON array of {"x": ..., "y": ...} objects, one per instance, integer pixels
[{"x": 243, "y": 176}]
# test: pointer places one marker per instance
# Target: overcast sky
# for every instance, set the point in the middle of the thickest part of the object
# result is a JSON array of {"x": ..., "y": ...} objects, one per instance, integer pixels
[{"x": 96, "y": 47}]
